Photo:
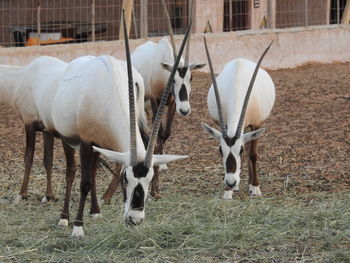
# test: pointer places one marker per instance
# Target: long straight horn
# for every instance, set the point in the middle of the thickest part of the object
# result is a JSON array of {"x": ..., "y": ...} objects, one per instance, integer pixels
[
  {"x": 161, "y": 108},
  {"x": 217, "y": 95},
  {"x": 250, "y": 87},
  {"x": 133, "y": 150},
  {"x": 190, "y": 16},
  {"x": 170, "y": 29}
]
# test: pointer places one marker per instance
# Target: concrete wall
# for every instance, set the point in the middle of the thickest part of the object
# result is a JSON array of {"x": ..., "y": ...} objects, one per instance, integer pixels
[
  {"x": 208, "y": 10},
  {"x": 258, "y": 16},
  {"x": 292, "y": 47}
]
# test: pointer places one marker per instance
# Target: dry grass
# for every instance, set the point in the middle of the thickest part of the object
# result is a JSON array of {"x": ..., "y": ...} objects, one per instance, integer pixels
[{"x": 311, "y": 228}]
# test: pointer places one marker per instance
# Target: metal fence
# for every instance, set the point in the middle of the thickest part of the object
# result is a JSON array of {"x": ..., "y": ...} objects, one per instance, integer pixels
[{"x": 34, "y": 22}]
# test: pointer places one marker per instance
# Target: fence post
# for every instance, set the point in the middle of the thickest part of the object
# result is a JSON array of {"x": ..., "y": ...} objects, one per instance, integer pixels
[
  {"x": 39, "y": 21},
  {"x": 230, "y": 15},
  {"x": 127, "y": 6},
  {"x": 144, "y": 18},
  {"x": 338, "y": 12},
  {"x": 134, "y": 22},
  {"x": 328, "y": 11},
  {"x": 306, "y": 12},
  {"x": 93, "y": 36},
  {"x": 346, "y": 14},
  {"x": 271, "y": 14}
]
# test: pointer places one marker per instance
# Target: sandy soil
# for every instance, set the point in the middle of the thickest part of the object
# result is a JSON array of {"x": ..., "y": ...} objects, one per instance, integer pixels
[{"x": 305, "y": 149}]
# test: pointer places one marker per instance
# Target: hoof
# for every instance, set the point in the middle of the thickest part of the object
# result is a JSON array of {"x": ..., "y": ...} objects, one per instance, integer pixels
[
  {"x": 96, "y": 216},
  {"x": 155, "y": 196},
  {"x": 100, "y": 202},
  {"x": 163, "y": 167},
  {"x": 254, "y": 190},
  {"x": 44, "y": 200},
  {"x": 63, "y": 222},
  {"x": 17, "y": 199},
  {"x": 78, "y": 231},
  {"x": 47, "y": 198},
  {"x": 228, "y": 195}
]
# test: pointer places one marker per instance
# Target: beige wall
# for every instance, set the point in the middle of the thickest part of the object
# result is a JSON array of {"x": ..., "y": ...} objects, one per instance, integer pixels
[
  {"x": 292, "y": 47},
  {"x": 209, "y": 10},
  {"x": 258, "y": 15}
]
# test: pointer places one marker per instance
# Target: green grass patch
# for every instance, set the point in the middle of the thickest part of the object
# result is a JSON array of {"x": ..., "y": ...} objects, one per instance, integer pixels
[{"x": 309, "y": 228}]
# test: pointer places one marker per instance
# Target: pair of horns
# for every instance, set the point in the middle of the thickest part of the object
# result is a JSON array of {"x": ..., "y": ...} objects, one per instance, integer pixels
[
  {"x": 170, "y": 30},
  {"x": 246, "y": 99},
  {"x": 161, "y": 108}
]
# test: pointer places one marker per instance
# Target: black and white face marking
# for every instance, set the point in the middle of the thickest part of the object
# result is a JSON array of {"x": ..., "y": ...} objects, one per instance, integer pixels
[
  {"x": 136, "y": 181},
  {"x": 182, "y": 86},
  {"x": 231, "y": 156},
  {"x": 231, "y": 150},
  {"x": 182, "y": 90}
]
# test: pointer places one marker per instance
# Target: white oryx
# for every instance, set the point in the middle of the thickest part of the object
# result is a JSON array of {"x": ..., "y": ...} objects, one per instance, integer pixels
[
  {"x": 29, "y": 91},
  {"x": 154, "y": 61},
  {"x": 91, "y": 109},
  {"x": 240, "y": 100}
]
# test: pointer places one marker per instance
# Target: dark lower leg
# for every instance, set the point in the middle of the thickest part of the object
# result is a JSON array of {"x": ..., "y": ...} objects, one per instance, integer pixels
[
  {"x": 253, "y": 156},
  {"x": 247, "y": 147},
  {"x": 113, "y": 185},
  {"x": 155, "y": 183},
  {"x": 169, "y": 119},
  {"x": 28, "y": 158},
  {"x": 70, "y": 174},
  {"x": 94, "y": 204},
  {"x": 48, "y": 159},
  {"x": 158, "y": 149},
  {"x": 86, "y": 156},
  {"x": 155, "y": 192}
]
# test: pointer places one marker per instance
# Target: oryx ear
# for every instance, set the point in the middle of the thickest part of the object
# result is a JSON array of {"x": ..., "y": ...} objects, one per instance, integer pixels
[
  {"x": 121, "y": 158},
  {"x": 166, "y": 158},
  {"x": 194, "y": 66},
  {"x": 167, "y": 66},
  {"x": 211, "y": 131},
  {"x": 253, "y": 135}
]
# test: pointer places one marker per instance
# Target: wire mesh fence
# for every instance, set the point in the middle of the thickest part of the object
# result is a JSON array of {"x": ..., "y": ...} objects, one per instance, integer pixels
[{"x": 34, "y": 22}]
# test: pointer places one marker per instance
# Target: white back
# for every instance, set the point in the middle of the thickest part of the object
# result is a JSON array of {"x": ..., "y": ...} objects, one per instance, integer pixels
[
  {"x": 233, "y": 83},
  {"x": 147, "y": 59},
  {"x": 92, "y": 103},
  {"x": 30, "y": 89}
]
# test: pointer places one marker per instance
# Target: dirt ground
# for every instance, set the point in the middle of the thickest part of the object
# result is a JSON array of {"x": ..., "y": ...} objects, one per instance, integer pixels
[{"x": 305, "y": 149}]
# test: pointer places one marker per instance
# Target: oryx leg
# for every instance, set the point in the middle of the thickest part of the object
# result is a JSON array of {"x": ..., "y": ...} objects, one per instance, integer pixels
[
  {"x": 155, "y": 181},
  {"x": 48, "y": 160},
  {"x": 163, "y": 135},
  {"x": 113, "y": 185},
  {"x": 28, "y": 160},
  {"x": 167, "y": 132},
  {"x": 169, "y": 119},
  {"x": 94, "y": 210},
  {"x": 252, "y": 156},
  {"x": 88, "y": 160},
  {"x": 70, "y": 174}
]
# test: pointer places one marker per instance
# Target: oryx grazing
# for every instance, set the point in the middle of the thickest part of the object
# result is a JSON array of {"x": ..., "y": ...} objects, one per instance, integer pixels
[
  {"x": 240, "y": 99},
  {"x": 96, "y": 115},
  {"x": 29, "y": 91},
  {"x": 154, "y": 61}
]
